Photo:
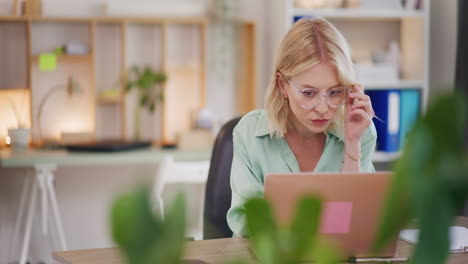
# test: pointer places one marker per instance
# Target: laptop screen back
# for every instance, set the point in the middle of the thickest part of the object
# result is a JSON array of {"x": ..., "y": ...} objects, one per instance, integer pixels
[{"x": 352, "y": 204}]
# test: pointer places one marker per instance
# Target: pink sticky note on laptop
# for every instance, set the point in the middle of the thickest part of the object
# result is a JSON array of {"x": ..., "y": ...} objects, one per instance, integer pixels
[{"x": 336, "y": 217}]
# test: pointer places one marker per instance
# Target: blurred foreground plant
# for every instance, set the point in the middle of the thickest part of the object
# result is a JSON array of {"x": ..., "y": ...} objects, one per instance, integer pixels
[
  {"x": 274, "y": 244},
  {"x": 143, "y": 236},
  {"x": 431, "y": 181}
]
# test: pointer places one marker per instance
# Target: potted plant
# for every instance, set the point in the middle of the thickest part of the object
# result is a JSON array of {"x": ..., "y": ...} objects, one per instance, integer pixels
[
  {"x": 19, "y": 136},
  {"x": 147, "y": 83}
]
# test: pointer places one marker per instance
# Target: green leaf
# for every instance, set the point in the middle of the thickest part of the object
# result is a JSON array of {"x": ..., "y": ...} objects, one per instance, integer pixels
[
  {"x": 431, "y": 180},
  {"x": 453, "y": 179},
  {"x": 176, "y": 219},
  {"x": 289, "y": 244},
  {"x": 129, "y": 86},
  {"x": 305, "y": 225},
  {"x": 396, "y": 212},
  {"x": 152, "y": 106},
  {"x": 143, "y": 99},
  {"x": 160, "y": 78},
  {"x": 146, "y": 81},
  {"x": 259, "y": 217},
  {"x": 142, "y": 236},
  {"x": 160, "y": 97},
  {"x": 134, "y": 226},
  {"x": 262, "y": 229},
  {"x": 326, "y": 253},
  {"x": 408, "y": 175},
  {"x": 265, "y": 248},
  {"x": 169, "y": 246},
  {"x": 433, "y": 242},
  {"x": 417, "y": 166}
]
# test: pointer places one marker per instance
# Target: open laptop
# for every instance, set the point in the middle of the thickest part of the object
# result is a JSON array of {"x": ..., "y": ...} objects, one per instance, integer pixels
[{"x": 352, "y": 205}]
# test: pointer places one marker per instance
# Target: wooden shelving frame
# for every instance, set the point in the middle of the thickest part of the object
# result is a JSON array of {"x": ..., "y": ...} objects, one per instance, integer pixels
[{"x": 246, "y": 94}]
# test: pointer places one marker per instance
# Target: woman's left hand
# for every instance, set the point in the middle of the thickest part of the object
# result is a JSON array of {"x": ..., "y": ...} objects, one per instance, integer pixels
[{"x": 359, "y": 114}]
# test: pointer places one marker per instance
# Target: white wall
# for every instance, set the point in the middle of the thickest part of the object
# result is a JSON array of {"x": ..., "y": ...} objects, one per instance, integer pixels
[
  {"x": 259, "y": 11},
  {"x": 221, "y": 100}
]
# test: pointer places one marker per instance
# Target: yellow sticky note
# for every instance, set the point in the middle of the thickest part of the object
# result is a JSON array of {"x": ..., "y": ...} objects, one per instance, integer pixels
[{"x": 47, "y": 62}]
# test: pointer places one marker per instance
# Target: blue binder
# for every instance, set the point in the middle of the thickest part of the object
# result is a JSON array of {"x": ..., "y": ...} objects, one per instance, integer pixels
[
  {"x": 296, "y": 18},
  {"x": 409, "y": 112},
  {"x": 386, "y": 104}
]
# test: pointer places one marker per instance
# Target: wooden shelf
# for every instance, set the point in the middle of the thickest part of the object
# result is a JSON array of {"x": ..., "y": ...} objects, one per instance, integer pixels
[
  {"x": 380, "y": 156},
  {"x": 399, "y": 84},
  {"x": 120, "y": 38},
  {"x": 110, "y": 19},
  {"x": 150, "y": 20},
  {"x": 359, "y": 13},
  {"x": 12, "y": 89},
  {"x": 14, "y": 18},
  {"x": 63, "y": 19},
  {"x": 64, "y": 58},
  {"x": 107, "y": 100}
]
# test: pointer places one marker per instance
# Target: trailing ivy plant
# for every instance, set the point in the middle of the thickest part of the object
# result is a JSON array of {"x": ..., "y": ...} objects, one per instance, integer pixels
[{"x": 431, "y": 180}]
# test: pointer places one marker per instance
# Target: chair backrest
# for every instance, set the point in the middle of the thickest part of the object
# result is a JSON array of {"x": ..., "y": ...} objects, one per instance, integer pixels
[
  {"x": 183, "y": 176},
  {"x": 218, "y": 188}
]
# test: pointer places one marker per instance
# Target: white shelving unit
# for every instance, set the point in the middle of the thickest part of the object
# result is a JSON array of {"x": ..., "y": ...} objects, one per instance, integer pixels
[
  {"x": 380, "y": 156},
  {"x": 362, "y": 14},
  {"x": 399, "y": 84},
  {"x": 369, "y": 30}
]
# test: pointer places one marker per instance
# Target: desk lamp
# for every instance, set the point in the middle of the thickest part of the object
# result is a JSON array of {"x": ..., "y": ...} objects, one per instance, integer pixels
[{"x": 72, "y": 88}]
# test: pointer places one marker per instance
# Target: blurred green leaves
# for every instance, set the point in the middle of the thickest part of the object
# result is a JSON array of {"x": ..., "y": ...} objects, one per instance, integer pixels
[
  {"x": 143, "y": 237},
  {"x": 146, "y": 81},
  {"x": 431, "y": 180},
  {"x": 275, "y": 244}
]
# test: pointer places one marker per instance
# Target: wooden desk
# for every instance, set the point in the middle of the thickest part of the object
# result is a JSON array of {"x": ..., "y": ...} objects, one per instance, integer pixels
[
  {"x": 33, "y": 157},
  {"x": 214, "y": 251},
  {"x": 211, "y": 251}
]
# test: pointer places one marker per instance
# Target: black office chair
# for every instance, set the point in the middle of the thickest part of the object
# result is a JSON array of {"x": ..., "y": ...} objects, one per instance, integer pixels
[{"x": 218, "y": 188}]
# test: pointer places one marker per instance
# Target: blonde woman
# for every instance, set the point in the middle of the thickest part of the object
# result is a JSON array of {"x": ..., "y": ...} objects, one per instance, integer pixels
[{"x": 316, "y": 117}]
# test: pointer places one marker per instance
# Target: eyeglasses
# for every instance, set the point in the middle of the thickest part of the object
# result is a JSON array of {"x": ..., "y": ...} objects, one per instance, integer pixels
[{"x": 310, "y": 97}]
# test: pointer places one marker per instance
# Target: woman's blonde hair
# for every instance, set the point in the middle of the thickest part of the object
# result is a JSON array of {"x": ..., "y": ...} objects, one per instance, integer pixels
[{"x": 310, "y": 41}]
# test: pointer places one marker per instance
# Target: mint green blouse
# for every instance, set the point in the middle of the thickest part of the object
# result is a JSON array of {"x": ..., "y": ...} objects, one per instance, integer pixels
[{"x": 256, "y": 154}]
